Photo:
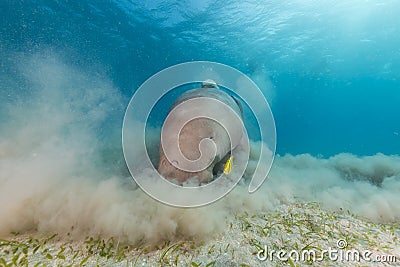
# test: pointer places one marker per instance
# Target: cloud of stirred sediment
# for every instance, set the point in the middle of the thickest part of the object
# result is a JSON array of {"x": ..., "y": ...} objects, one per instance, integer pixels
[{"x": 61, "y": 167}]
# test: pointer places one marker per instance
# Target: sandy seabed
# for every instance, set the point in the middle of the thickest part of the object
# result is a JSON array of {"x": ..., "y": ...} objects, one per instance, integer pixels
[{"x": 305, "y": 228}]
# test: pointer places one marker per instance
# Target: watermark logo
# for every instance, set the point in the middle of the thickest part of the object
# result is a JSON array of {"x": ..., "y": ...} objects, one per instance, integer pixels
[
  {"x": 211, "y": 107},
  {"x": 340, "y": 253}
]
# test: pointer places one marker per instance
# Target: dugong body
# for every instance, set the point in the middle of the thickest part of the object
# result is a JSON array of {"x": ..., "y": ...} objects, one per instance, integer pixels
[{"x": 195, "y": 131}]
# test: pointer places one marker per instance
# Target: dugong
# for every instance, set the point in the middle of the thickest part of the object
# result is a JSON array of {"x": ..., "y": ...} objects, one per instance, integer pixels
[{"x": 197, "y": 130}]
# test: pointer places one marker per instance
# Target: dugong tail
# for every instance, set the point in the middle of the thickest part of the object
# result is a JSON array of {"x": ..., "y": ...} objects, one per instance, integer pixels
[
  {"x": 213, "y": 84},
  {"x": 209, "y": 84}
]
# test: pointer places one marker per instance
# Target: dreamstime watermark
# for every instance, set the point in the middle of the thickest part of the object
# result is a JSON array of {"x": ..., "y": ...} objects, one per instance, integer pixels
[
  {"x": 205, "y": 107},
  {"x": 340, "y": 253}
]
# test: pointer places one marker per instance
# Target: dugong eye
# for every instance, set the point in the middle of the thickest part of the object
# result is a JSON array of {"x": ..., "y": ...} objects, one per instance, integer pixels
[{"x": 211, "y": 137}]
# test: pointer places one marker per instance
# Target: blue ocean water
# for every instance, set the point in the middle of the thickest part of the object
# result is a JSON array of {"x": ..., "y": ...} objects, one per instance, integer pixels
[
  {"x": 332, "y": 67},
  {"x": 330, "y": 70}
]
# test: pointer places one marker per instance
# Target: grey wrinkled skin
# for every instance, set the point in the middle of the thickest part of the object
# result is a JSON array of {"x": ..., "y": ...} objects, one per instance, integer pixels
[{"x": 191, "y": 135}]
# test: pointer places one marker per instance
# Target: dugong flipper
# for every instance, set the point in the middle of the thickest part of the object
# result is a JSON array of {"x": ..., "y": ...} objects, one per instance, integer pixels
[{"x": 196, "y": 130}]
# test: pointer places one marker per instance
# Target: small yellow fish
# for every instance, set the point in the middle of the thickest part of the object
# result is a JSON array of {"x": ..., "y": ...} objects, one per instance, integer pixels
[{"x": 228, "y": 165}]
